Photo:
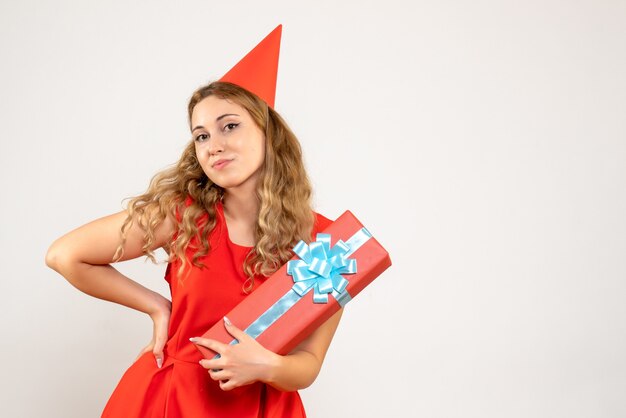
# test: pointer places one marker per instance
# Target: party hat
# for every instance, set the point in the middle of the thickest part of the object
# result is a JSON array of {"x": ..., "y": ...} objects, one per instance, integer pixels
[{"x": 258, "y": 70}]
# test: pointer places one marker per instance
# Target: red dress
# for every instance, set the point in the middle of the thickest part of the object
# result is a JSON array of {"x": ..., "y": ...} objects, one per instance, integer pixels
[{"x": 182, "y": 388}]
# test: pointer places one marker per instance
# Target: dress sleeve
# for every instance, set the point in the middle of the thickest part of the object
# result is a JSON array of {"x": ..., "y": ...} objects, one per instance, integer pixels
[{"x": 321, "y": 223}]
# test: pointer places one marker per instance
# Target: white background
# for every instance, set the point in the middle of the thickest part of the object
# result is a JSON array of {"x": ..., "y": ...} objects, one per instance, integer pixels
[{"x": 482, "y": 142}]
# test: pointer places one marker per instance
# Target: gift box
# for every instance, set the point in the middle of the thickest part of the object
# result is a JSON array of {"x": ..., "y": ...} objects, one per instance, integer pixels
[{"x": 318, "y": 281}]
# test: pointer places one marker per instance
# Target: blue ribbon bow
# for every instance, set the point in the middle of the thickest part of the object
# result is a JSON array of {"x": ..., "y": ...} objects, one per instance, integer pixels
[{"x": 320, "y": 268}]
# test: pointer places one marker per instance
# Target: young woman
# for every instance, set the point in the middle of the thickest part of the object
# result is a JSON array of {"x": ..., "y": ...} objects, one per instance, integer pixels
[{"x": 228, "y": 214}]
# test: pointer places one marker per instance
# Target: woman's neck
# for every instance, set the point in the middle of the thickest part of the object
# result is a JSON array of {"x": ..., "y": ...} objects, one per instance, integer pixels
[{"x": 241, "y": 208}]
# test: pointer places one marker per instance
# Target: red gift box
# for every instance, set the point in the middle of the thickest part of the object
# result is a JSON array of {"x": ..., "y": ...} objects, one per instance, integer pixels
[{"x": 337, "y": 266}]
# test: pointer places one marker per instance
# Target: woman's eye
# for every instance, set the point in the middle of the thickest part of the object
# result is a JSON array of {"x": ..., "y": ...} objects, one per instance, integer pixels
[
  {"x": 230, "y": 126},
  {"x": 201, "y": 137}
]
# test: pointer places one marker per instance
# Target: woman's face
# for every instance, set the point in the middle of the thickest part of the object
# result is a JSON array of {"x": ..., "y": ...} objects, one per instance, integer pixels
[{"x": 229, "y": 145}]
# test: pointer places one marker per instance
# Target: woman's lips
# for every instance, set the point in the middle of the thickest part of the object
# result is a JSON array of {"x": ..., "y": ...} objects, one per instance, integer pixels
[{"x": 221, "y": 164}]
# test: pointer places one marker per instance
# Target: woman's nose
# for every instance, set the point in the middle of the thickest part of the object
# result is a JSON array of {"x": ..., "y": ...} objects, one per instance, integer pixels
[{"x": 216, "y": 144}]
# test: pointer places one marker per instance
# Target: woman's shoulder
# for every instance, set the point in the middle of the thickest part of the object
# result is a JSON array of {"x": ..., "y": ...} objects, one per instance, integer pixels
[
  {"x": 185, "y": 202},
  {"x": 321, "y": 223}
]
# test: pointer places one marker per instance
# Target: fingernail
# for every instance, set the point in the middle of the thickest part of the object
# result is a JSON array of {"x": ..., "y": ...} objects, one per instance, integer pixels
[
  {"x": 159, "y": 362},
  {"x": 227, "y": 321},
  {"x": 193, "y": 339}
]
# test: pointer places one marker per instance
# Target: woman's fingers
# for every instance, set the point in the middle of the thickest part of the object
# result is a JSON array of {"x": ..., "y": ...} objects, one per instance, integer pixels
[
  {"x": 157, "y": 350},
  {"x": 216, "y": 346},
  {"x": 160, "y": 337},
  {"x": 227, "y": 385},
  {"x": 214, "y": 363},
  {"x": 234, "y": 331},
  {"x": 216, "y": 370},
  {"x": 158, "y": 354},
  {"x": 220, "y": 374},
  {"x": 159, "y": 343}
]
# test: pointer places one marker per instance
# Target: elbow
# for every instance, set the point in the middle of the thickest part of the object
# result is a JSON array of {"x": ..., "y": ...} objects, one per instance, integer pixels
[
  {"x": 52, "y": 257},
  {"x": 308, "y": 381},
  {"x": 301, "y": 383},
  {"x": 307, "y": 378},
  {"x": 56, "y": 258}
]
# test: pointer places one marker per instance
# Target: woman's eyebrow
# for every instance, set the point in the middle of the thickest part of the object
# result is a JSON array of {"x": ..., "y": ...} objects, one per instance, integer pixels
[
  {"x": 217, "y": 120},
  {"x": 224, "y": 115}
]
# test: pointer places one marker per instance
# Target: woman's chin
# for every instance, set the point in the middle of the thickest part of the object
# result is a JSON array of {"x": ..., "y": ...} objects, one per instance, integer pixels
[{"x": 231, "y": 183}]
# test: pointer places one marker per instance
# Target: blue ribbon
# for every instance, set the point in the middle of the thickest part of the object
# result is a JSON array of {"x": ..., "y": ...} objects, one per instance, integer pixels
[{"x": 320, "y": 269}]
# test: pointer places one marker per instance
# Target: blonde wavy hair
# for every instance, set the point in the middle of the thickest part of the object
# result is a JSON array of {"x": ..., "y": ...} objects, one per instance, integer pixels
[{"x": 284, "y": 192}]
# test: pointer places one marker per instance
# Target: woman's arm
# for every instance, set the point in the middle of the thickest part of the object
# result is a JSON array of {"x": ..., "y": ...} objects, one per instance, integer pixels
[
  {"x": 248, "y": 361},
  {"x": 83, "y": 255},
  {"x": 300, "y": 368}
]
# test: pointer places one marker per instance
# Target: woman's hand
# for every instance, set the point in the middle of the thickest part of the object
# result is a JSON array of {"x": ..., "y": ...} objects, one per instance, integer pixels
[
  {"x": 160, "y": 318},
  {"x": 239, "y": 364}
]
